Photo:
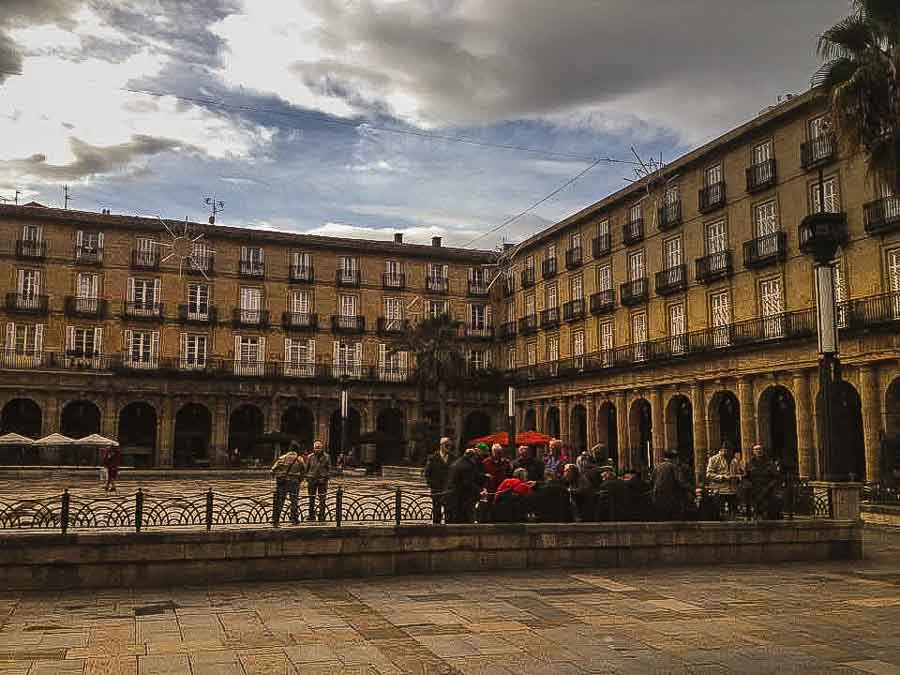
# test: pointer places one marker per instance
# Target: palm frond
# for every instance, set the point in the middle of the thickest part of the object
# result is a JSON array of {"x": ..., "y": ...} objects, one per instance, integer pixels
[
  {"x": 883, "y": 15},
  {"x": 833, "y": 72},
  {"x": 846, "y": 38}
]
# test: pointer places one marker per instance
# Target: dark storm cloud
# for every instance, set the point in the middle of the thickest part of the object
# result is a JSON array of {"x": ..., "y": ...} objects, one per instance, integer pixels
[
  {"x": 23, "y": 13},
  {"x": 91, "y": 160}
]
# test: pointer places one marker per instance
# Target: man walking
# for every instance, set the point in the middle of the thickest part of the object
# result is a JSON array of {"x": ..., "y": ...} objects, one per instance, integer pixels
[
  {"x": 669, "y": 488},
  {"x": 464, "y": 482},
  {"x": 437, "y": 466},
  {"x": 317, "y": 474},
  {"x": 288, "y": 470}
]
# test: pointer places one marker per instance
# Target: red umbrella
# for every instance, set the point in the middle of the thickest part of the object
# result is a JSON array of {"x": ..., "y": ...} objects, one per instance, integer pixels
[{"x": 524, "y": 438}]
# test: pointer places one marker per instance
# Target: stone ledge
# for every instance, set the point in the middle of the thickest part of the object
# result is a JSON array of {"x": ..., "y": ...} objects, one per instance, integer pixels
[{"x": 881, "y": 515}]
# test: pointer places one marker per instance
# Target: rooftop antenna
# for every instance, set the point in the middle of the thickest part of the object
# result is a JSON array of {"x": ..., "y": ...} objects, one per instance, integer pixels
[
  {"x": 215, "y": 207},
  {"x": 66, "y": 196}
]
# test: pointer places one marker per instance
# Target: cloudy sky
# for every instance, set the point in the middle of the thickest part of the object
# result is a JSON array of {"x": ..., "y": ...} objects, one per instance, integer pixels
[{"x": 338, "y": 116}]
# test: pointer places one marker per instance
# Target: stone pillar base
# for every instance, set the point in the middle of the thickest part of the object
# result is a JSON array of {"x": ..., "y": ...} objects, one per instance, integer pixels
[{"x": 844, "y": 498}]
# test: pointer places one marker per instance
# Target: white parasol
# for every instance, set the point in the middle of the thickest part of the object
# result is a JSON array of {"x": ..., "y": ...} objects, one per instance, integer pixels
[
  {"x": 15, "y": 439},
  {"x": 97, "y": 440},
  {"x": 55, "y": 439}
]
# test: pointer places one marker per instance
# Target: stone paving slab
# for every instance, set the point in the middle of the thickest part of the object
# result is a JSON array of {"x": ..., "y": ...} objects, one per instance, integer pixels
[{"x": 834, "y": 617}]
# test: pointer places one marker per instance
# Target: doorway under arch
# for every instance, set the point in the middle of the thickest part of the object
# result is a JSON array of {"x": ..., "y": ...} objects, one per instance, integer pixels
[
  {"x": 193, "y": 431},
  {"x": 608, "y": 431},
  {"x": 80, "y": 419},
  {"x": 21, "y": 416},
  {"x": 354, "y": 426},
  {"x": 724, "y": 421},
  {"x": 245, "y": 426},
  {"x": 680, "y": 429},
  {"x": 777, "y": 415},
  {"x": 299, "y": 422},
  {"x": 137, "y": 432},
  {"x": 476, "y": 425},
  {"x": 890, "y": 456},
  {"x": 530, "y": 421},
  {"x": 849, "y": 458},
  {"x": 577, "y": 430},
  {"x": 391, "y": 449},
  {"x": 552, "y": 425},
  {"x": 640, "y": 433}
]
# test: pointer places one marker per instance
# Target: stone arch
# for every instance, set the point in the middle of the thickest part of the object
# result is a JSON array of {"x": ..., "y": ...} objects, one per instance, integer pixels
[
  {"x": 552, "y": 426},
  {"x": 640, "y": 432},
  {"x": 476, "y": 425},
  {"x": 245, "y": 426},
  {"x": 354, "y": 427},
  {"x": 680, "y": 428},
  {"x": 137, "y": 431},
  {"x": 193, "y": 432},
  {"x": 300, "y": 422},
  {"x": 21, "y": 416},
  {"x": 724, "y": 417},
  {"x": 890, "y": 459},
  {"x": 578, "y": 422},
  {"x": 529, "y": 423},
  {"x": 849, "y": 456},
  {"x": 777, "y": 415},
  {"x": 80, "y": 418},
  {"x": 391, "y": 425},
  {"x": 608, "y": 430}
]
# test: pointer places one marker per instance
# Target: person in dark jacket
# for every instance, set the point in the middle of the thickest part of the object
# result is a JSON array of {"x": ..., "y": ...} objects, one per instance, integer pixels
[
  {"x": 527, "y": 459},
  {"x": 581, "y": 493},
  {"x": 669, "y": 488},
  {"x": 437, "y": 467},
  {"x": 764, "y": 480},
  {"x": 465, "y": 480},
  {"x": 613, "y": 501}
]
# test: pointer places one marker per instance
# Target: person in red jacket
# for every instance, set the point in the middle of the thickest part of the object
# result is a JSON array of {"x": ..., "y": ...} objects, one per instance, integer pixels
[
  {"x": 497, "y": 468},
  {"x": 518, "y": 484}
]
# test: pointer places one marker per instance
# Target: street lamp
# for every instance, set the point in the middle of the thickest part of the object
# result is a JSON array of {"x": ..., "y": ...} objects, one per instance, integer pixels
[
  {"x": 511, "y": 418},
  {"x": 345, "y": 411}
]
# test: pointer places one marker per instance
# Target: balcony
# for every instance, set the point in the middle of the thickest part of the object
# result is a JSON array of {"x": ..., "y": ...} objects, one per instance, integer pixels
[
  {"x": 392, "y": 327},
  {"x": 507, "y": 331},
  {"x": 671, "y": 280},
  {"x": 634, "y": 292},
  {"x": 299, "y": 321},
  {"x": 712, "y": 197},
  {"x": 669, "y": 215},
  {"x": 479, "y": 332},
  {"x": 145, "y": 259},
  {"x": 528, "y": 277},
  {"x": 549, "y": 268},
  {"x": 528, "y": 324},
  {"x": 301, "y": 274},
  {"x": 509, "y": 286},
  {"x": 437, "y": 284},
  {"x": 395, "y": 281},
  {"x": 601, "y": 245},
  {"x": 765, "y": 250},
  {"x": 574, "y": 258},
  {"x": 882, "y": 215},
  {"x": 877, "y": 311},
  {"x": 761, "y": 176},
  {"x": 23, "y": 303},
  {"x": 478, "y": 288},
  {"x": 603, "y": 302},
  {"x": 252, "y": 269},
  {"x": 201, "y": 316},
  {"x": 204, "y": 265},
  {"x": 817, "y": 151},
  {"x": 31, "y": 249},
  {"x": 88, "y": 255},
  {"x": 89, "y": 308},
  {"x": 573, "y": 310},
  {"x": 344, "y": 277},
  {"x": 348, "y": 324},
  {"x": 140, "y": 309},
  {"x": 633, "y": 232},
  {"x": 250, "y": 318},
  {"x": 714, "y": 266},
  {"x": 550, "y": 317}
]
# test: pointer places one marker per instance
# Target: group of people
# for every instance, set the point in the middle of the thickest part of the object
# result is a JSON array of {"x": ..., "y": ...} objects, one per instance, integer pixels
[
  {"x": 753, "y": 485},
  {"x": 291, "y": 469}
]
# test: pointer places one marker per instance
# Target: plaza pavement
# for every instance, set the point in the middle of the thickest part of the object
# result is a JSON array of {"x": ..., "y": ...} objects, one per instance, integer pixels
[{"x": 837, "y": 617}]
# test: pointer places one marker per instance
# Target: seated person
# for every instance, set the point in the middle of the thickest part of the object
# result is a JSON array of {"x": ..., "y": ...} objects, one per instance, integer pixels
[{"x": 510, "y": 500}]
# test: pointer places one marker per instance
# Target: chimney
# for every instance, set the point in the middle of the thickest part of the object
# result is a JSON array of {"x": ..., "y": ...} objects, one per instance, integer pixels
[
  {"x": 508, "y": 247},
  {"x": 398, "y": 237},
  {"x": 436, "y": 242}
]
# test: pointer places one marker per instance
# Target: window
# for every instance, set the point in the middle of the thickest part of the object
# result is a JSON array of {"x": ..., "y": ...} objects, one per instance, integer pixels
[
  {"x": 529, "y": 264},
  {"x": 672, "y": 252},
  {"x": 529, "y": 305},
  {"x": 145, "y": 251},
  {"x": 348, "y": 358},
  {"x": 765, "y": 218},
  {"x": 575, "y": 240},
  {"x": 348, "y": 305},
  {"x": 479, "y": 317},
  {"x": 639, "y": 335},
  {"x": 511, "y": 358},
  {"x": 553, "y": 348},
  {"x": 88, "y": 245},
  {"x": 552, "y": 296},
  {"x": 301, "y": 266},
  {"x": 893, "y": 269},
  {"x": 201, "y": 256},
  {"x": 300, "y": 357},
  {"x": 437, "y": 271},
  {"x": 393, "y": 273},
  {"x": 24, "y": 338},
  {"x": 84, "y": 342},
  {"x": 713, "y": 175},
  {"x": 550, "y": 252},
  {"x": 193, "y": 351},
  {"x": 479, "y": 359},
  {"x": 677, "y": 328},
  {"x": 603, "y": 229},
  {"x": 531, "y": 353},
  {"x": 716, "y": 237},
  {"x": 818, "y": 127},
  {"x": 720, "y": 313},
  {"x": 198, "y": 302},
  {"x": 605, "y": 335},
  {"x": 392, "y": 365},
  {"x": 576, "y": 288},
  {"x": 762, "y": 152},
  {"x": 300, "y": 302},
  {"x": 87, "y": 286},
  {"x": 349, "y": 269},
  {"x": 832, "y": 196},
  {"x": 249, "y": 355},
  {"x": 670, "y": 196},
  {"x": 634, "y": 213},
  {"x": 604, "y": 278},
  {"x": 31, "y": 233},
  {"x": 436, "y": 308},
  {"x": 252, "y": 261},
  {"x": 772, "y": 306},
  {"x": 578, "y": 349},
  {"x": 141, "y": 348},
  {"x": 510, "y": 310},
  {"x": 29, "y": 284},
  {"x": 636, "y": 269},
  {"x": 251, "y": 304},
  {"x": 393, "y": 313},
  {"x": 144, "y": 295},
  {"x": 478, "y": 277}
]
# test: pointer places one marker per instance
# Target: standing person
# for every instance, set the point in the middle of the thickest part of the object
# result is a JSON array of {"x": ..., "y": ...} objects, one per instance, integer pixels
[
  {"x": 288, "y": 470},
  {"x": 497, "y": 468},
  {"x": 437, "y": 467},
  {"x": 669, "y": 488},
  {"x": 719, "y": 478},
  {"x": 613, "y": 499},
  {"x": 317, "y": 474},
  {"x": 464, "y": 482},
  {"x": 112, "y": 460},
  {"x": 527, "y": 459},
  {"x": 553, "y": 460},
  {"x": 764, "y": 479}
]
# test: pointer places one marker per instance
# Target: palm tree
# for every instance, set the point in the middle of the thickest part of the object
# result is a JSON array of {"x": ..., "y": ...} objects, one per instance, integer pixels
[
  {"x": 861, "y": 72},
  {"x": 440, "y": 362}
]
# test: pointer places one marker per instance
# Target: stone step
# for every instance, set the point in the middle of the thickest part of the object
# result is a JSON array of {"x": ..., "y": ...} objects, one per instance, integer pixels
[{"x": 388, "y": 471}]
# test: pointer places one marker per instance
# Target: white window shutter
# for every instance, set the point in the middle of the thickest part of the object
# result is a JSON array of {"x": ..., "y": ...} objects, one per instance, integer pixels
[
  {"x": 21, "y": 282},
  {"x": 337, "y": 352},
  {"x": 262, "y": 255},
  {"x": 37, "y": 282},
  {"x": 154, "y": 346},
  {"x": 287, "y": 350},
  {"x": 382, "y": 354},
  {"x": 98, "y": 341},
  {"x": 70, "y": 337},
  {"x": 156, "y": 291},
  {"x": 100, "y": 240},
  {"x": 488, "y": 316},
  {"x": 404, "y": 360},
  {"x": 262, "y": 349},
  {"x": 10, "y": 335},
  {"x": 39, "y": 338},
  {"x": 244, "y": 255},
  {"x": 359, "y": 352},
  {"x": 311, "y": 350},
  {"x": 183, "y": 342},
  {"x": 79, "y": 240},
  {"x": 237, "y": 347},
  {"x": 130, "y": 289},
  {"x": 127, "y": 346}
]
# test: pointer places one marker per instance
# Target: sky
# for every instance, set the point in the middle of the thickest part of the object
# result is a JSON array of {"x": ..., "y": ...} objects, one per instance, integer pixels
[{"x": 369, "y": 117}]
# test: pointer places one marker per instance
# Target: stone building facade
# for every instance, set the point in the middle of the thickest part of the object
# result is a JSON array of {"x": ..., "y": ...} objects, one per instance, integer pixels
[
  {"x": 185, "y": 340},
  {"x": 682, "y": 314}
]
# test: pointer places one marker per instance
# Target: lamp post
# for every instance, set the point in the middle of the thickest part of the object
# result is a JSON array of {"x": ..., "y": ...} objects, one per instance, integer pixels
[
  {"x": 511, "y": 418},
  {"x": 345, "y": 411}
]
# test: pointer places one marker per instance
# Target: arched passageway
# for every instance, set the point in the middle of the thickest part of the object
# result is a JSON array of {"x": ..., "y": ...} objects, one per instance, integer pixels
[
  {"x": 724, "y": 421},
  {"x": 849, "y": 456},
  {"x": 640, "y": 433},
  {"x": 552, "y": 425},
  {"x": 577, "y": 430},
  {"x": 80, "y": 419},
  {"x": 777, "y": 415},
  {"x": 354, "y": 425},
  {"x": 680, "y": 429},
  {"x": 475, "y": 425},
  {"x": 300, "y": 423},
  {"x": 607, "y": 431},
  {"x": 193, "y": 431},
  {"x": 21, "y": 416},
  {"x": 137, "y": 432},
  {"x": 890, "y": 455},
  {"x": 530, "y": 423},
  {"x": 391, "y": 428},
  {"x": 244, "y": 429}
]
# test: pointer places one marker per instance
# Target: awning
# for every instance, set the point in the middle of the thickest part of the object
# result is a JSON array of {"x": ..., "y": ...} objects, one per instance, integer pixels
[
  {"x": 97, "y": 440},
  {"x": 55, "y": 439},
  {"x": 15, "y": 439}
]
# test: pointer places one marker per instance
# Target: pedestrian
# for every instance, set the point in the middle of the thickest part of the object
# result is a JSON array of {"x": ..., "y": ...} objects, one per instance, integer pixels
[
  {"x": 437, "y": 466},
  {"x": 317, "y": 474},
  {"x": 719, "y": 479},
  {"x": 613, "y": 499},
  {"x": 553, "y": 460},
  {"x": 763, "y": 479},
  {"x": 591, "y": 459},
  {"x": 527, "y": 459},
  {"x": 288, "y": 471},
  {"x": 511, "y": 500},
  {"x": 669, "y": 488},
  {"x": 112, "y": 460},
  {"x": 464, "y": 482},
  {"x": 236, "y": 458},
  {"x": 581, "y": 493},
  {"x": 497, "y": 468}
]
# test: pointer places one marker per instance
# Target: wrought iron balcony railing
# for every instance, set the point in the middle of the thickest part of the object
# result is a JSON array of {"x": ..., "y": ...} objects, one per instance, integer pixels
[
  {"x": 137, "y": 309},
  {"x": 300, "y": 321},
  {"x": 201, "y": 265},
  {"x": 528, "y": 324},
  {"x": 549, "y": 268},
  {"x": 765, "y": 250},
  {"x": 145, "y": 259},
  {"x": 669, "y": 215},
  {"x": 437, "y": 284},
  {"x": 573, "y": 310},
  {"x": 32, "y": 249},
  {"x": 528, "y": 277},
  {"x": 574, "y": 258},
  {"x": 550, "y": 317},
  {"x": 258, "y": 318},
  {"x": 634, "y": 292},
  {"x": 882, "y": 215},
  {"x": 671, "y": 280},
  {"x": 478, "y": 288},
  {"x": 302, "y": 274},
  {"x": 88, "y": 255},
  {"x": 94, "y": 308},
  {"x": 601, "y": 245},
  {"x": 714, "y": 266},
  {"x": 507, "y": 331},
  {"x": 27, "y": 303},
  {"x": 343, "y": 323},
  {"x": 633, "y": 232},
  {"x": 388, "y": 326},
  {"x": 252, "y": 269},
  {"x": 198, "y": 314},
  {"x": 395, "y": 281},
  {"x": 603, "y": 302},
  {"x": 761, "y": 176},
  {"x": 509, "y": 286},
  {"x": 479, "y": 332},
  {"x": 817, "y": 151},
  {"x": 345, "y": 277},
  {"x": 712, "y": 197}
]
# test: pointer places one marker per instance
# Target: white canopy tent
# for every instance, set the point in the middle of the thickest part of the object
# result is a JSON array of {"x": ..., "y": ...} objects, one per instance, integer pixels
[
  {"x": 15, "y": 439},
  {"x": 98, "y": 441},
  {"x": 55, "y": 440}
]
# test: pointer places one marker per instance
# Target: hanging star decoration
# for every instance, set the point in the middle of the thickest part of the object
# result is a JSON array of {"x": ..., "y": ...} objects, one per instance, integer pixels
[{"x": 189, "y": 249}]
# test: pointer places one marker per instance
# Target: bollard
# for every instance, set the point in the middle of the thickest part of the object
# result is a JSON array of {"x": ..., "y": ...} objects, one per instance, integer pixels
[
  {"x": 64, "y": 512},
  {"x": 398, "y": 499},
  {"x": 138, "y": 510},
  {"x": 209, "y": 509},
  {"x": 339, "y": 506}
]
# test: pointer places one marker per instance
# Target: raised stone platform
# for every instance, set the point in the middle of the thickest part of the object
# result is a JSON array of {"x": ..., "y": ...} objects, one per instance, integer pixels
[
  {"x": 404, "y": 472},
  {"x": 40, "y": 561},
  {"x": 880, "y": 515}
]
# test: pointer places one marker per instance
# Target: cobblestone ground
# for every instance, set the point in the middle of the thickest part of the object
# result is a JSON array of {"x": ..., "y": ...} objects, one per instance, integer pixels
[{"x": 795, "y": 618}]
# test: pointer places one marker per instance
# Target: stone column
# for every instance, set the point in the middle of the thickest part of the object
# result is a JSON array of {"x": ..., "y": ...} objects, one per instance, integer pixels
[
  {"x": 871, "y": 419},
  {"x": 622, "y": 430},
  {"x": 164, "y": 455},
  {"x": 701, "y": 442},
  {"x": 322, "y": 424},
  {"x": 539, "y": 417},
  {"x": 748, "y": 413},
  {"x": 273, "y": 422},
  {"x": 805, "y": 420},
  {"x": 658, "y": 430},
  {"x": 110, "y": 422},
  {"x": 564, "y": 421},
  {"x": 219, "y": 454},
  {"x": 590, "y": 407},
  {"x": 50, "y": 422}
]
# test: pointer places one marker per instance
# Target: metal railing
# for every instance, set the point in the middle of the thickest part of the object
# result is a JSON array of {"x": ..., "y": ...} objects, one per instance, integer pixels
[
  {"x": 253, "y": 269},
  {"x": 201, "y": 264},
  {"x": 528, "y": 277},
  {"x": 818, "y": 150},
  {"x": 32, "y": 248},
  {"x": 507, "y": 331},
  {"x": 479, "y": 332},
  {"x": 766, "y": 249},
  {"x": 574, "y": 257},
  {"x": 603, "y": 302},
  {"x": 437, "y": 284},
  {"x": 88, "y": 255},
  {"x": 549, "y": 268},
  {"x": 198, "y": 315},
  {"x": 634, "y": 292},
  {"x": 882, "y": 215},
  {"x": 299, "y": 320},
  {"x": 27, "y": 303},
  {"x": 550, "y": 317},
  {"x": 712, "y": 197},
  {"x": 397, "y": 281},
  {"x": 345, "y": 277},
  {"x": 714, "y": 266},
  {"x": 388, "y": 326},
  {"x": 136, "y": 309},
  {"x": 145, "y": 259},
  {"x": 478, "y": 288},
  {"x": 528, "y": 324},
  {"x": 762, "y": 175},
  {"x": 250, "y": 317},
  {"x": 301, "y": 274},
  {"x": 601, "y": 245},
  {"x": 573, "y": 309},
  {"x": 87, "y": 307},
  {"x": 341, "y": 323},
  {"x": 669, "y": 215},
  {"x": 633, "y": 231},
  {"x": 671, "y": 280}
]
